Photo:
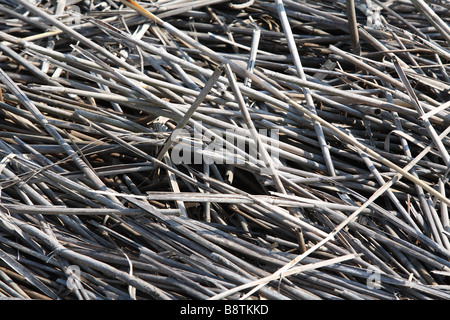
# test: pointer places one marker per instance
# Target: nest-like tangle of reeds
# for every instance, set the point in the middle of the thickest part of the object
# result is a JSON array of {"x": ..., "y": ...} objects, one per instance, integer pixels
[{"x": 224, "y": 150}]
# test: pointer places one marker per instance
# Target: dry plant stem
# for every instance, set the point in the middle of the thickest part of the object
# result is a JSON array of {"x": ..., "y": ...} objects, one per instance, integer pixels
[
  {"x": 434, "y": 136},
  {"x": 326, "y": 124},
  {"x": 74, "y": 34},
  {"x": 12, "y": 289},
  {"x": 175, "y": 187},
  {"x": 182, "y": 123},
  {"x": 408, "y": 167},
  {"x": 431, "y": 113},
  {"x": 391, "y": 195},
  {"x": 26, "y": 64},
  {"x": 152, "y": 97},
  {"x": 397, "y": 16},
  {"x": 358, "y": 98},
  {"x": 254, "y": 133},
  {"x": 345, "y": 222},
  {"x": 444, "y": 208},
  {"x": 140, "y": 153},
  {"x": 408, "y": 153},
  {"x": 433, "y": 18},
  {"x": 28, "y": 275},
  {"x": 365, "y": 66},
  {"x": 196, "y": 238},
  {"x": 309, "y": 100},
  {"x": 55, "y": 179},
  {"x": 369, "y": 151},
  {"x": 353, "y": 26},
  {"x": 236, "y": 44},
  {"x": 253, "y": 53},
  {"x": 57, "y": 210},
  {"x": 50, "y": 129},
  {"x": 287, "y": 273},
  {"x": 422, "y": 198},
  {"x": 75, "y": 257},
  {"x": 329, "y": 237}
]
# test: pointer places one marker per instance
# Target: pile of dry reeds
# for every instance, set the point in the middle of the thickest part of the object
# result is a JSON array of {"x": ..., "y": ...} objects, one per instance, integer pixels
[{"x": 224, "y": 149}]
